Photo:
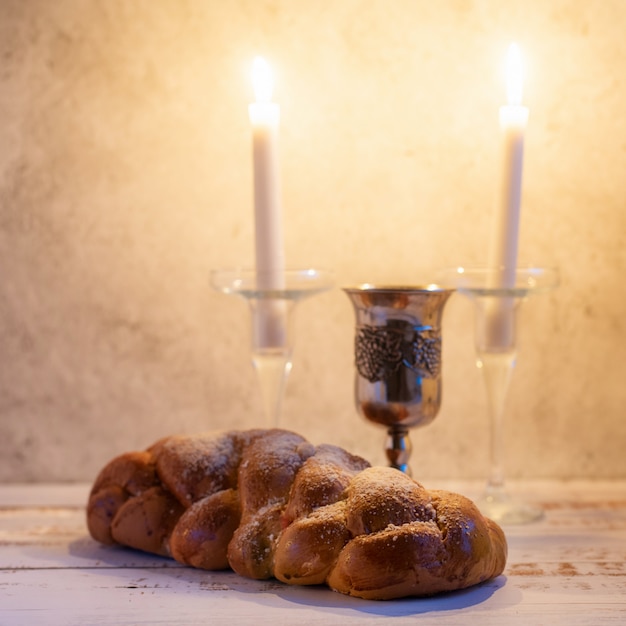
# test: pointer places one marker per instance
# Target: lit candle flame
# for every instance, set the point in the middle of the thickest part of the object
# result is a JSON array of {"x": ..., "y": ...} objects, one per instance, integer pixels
[
  {"x": 262, "y": 80},
  {"x": 514, "y": 75}
]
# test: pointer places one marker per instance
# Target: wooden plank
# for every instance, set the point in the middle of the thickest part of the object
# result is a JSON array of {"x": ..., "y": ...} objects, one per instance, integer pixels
[
  {"x": 567, "y": 569},
  {"x": 187, "y": 596}
]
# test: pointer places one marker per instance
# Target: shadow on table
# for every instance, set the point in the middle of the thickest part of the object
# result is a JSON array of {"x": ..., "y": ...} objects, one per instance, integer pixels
[
  {"x": 324, "y": 598},
  {"x": 320, "y": 597},
  {"x": 97, "y": 555}
]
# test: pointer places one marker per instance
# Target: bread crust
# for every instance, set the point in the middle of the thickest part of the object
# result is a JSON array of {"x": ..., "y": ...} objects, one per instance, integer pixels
[{"x": 267, "y": 503}]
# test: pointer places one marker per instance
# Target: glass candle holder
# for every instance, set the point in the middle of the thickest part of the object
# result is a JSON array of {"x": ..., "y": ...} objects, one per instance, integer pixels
[
  {"x": 272, "y": 311},
  {"x": 496, "y": 311}
]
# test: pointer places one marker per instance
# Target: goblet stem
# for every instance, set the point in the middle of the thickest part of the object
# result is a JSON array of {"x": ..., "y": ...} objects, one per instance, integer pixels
[{"x": 399, "y": 449}]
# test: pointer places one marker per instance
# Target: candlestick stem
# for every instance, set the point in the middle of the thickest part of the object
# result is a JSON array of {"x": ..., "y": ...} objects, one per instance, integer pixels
[
  {"x": 497, "y": 370},
  {"x": 272, "y": 368}
]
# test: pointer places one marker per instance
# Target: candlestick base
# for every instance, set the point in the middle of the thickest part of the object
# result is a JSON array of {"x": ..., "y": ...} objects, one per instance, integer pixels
[
  {"x": 496, "y": 311},
  {"x": 499, "y": 505},
  {"x": 272, "y": 313}
]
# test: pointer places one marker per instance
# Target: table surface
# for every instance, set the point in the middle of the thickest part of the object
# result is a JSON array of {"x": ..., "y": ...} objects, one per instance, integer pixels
[{"x": 569, "y": 568}]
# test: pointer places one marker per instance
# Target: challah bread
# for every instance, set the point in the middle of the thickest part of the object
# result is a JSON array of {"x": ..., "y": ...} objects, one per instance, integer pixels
[{"x": 267, "y": 503}]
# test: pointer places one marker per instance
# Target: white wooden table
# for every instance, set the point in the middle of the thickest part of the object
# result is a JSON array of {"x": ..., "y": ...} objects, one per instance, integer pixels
[{"x": 569, "y": 568}]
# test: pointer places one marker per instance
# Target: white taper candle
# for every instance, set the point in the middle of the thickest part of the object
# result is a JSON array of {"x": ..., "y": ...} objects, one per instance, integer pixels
[
  {"x": 505, "y": 237},
  {"x": 269, "y": 255}
]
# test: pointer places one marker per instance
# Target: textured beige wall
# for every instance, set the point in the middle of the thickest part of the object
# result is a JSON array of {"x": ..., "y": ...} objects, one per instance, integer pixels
[{"x": 125, "y": 177}]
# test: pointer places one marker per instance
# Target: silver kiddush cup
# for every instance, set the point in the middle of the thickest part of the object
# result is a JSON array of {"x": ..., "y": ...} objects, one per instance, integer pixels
[{"x": 397, "y": 354}]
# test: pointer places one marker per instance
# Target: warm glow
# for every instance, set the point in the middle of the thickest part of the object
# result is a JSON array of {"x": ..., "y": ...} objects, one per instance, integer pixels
[
  {"x": 514, "y": 75},
  {"x": 262, "y": 80}
]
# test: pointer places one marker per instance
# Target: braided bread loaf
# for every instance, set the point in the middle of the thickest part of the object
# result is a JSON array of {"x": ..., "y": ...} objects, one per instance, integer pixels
[{"x": 268, "y": 503}]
